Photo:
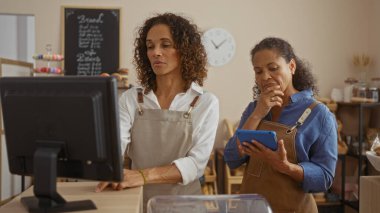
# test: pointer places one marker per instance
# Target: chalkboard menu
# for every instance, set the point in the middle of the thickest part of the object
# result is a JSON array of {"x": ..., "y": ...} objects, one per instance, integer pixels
[{"x": 91, "y": 40}]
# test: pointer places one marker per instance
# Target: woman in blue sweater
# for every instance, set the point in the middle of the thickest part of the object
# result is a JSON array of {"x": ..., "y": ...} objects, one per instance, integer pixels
[{"x": 284, "y": 102}]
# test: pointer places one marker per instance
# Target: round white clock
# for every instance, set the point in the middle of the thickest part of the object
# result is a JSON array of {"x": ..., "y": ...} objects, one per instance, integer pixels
[{"x": 220, "y": 46}]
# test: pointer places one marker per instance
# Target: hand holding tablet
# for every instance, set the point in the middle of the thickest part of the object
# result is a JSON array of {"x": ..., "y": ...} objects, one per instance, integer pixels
[{"x": 267, "y": 138}]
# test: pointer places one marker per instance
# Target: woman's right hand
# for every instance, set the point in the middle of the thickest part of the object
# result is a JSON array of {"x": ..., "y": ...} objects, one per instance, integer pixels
[
  {"x": 103, "y": 185},
  {"x": 132, "y": 178},
  {"x": 270, "y": 96}
]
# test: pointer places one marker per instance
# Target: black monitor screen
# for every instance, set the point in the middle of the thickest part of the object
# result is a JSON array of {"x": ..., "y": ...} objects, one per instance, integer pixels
[{"x": 61, "y": 126}]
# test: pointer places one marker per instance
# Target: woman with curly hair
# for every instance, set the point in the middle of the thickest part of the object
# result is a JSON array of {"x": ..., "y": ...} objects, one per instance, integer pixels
[
  {"x": 305, "y": 159},
  {"x": 168, "y": 125}
]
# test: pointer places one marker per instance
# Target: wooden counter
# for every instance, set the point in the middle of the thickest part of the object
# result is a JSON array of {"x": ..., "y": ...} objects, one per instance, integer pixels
[
  {"x": 109, "y": 201},
  {"x": 369, "y": 194}
]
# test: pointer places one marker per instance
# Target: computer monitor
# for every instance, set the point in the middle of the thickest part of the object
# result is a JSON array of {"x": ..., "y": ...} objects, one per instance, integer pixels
[{"x": 61, "y": 127}]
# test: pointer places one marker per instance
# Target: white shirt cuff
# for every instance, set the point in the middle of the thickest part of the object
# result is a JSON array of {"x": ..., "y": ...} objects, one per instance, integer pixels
[{"x": 187, "y": 169}]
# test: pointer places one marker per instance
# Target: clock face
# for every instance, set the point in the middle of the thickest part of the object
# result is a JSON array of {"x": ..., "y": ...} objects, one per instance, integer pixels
[{"x": 220, "y": 46}]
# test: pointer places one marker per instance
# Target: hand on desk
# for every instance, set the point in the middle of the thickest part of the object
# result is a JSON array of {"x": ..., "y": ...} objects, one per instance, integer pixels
[
  {"x": 155, "y": 175},
  {"x": 134, "y": 179}
]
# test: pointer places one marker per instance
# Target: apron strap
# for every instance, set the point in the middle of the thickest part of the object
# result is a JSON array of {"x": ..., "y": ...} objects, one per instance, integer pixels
[
  {"x": 195, "y": 100},
  {"x": 140, "y": 100},
  {"x": 303, "y": 117}
]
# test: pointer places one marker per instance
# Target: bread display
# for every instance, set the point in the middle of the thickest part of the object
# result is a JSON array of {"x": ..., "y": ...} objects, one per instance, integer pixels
[
  {"x": 377, "y": 150},
  {"x": 376, "y": 145}
]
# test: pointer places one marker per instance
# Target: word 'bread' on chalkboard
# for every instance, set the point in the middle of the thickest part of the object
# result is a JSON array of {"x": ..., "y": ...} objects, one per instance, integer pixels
[{"x": 91, "y": 40}]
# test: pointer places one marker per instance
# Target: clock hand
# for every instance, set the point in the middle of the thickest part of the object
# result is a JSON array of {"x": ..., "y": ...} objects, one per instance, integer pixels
[
  {"x": 213, "y": 43},
  {"x": 221, "y": 43}
]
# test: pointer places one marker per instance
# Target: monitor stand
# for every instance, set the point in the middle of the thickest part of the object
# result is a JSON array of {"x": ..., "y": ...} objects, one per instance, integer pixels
[{"x": 46, "y": 198}]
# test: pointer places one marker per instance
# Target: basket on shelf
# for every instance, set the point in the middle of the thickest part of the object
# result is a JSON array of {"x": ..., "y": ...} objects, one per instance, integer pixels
[{"x": 210, "y": 185}]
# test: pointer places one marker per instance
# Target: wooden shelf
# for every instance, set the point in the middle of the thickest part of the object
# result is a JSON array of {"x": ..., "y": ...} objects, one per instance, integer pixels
[
  {"x": 352, "y": 204},
  {"x": 327, "y": 203},
  {"x": 210, "y": 186},
  {"x": 355, "y": 104},
  {"x": 358, "y": 118},
  {"x": 232, "y": 178}
]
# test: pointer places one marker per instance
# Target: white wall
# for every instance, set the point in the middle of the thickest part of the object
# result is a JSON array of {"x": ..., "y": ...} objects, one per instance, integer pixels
[
  {"x": 17, "y": 42},
  {"x": 8, "y": 41},
  {"x": 17, "y": 38},
  {"x": 374, "y": 36},
  {"x": 325, "y": 32}
]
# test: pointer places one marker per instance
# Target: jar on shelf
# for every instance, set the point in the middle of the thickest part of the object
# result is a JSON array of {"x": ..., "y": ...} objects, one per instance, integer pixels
[
  {"x": 373, "y": 94},
  {"x": 360, "y": 90},
  {"x": 360, "y": 93},
  {"x": 348, "y": 89},
  {"x": 374, "y": 90}
]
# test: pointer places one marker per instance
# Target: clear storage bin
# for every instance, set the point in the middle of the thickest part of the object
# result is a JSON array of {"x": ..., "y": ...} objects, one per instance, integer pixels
[
  {"x": 373, "y": 94},
  {"x": 209, "y": 203},
  {"x": 348, "y": 89}
]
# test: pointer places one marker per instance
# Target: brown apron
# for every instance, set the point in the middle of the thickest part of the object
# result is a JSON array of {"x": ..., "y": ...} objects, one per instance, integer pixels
[
  {"x": 159, "y": 137},
  {"x": 284, "y": 194}
]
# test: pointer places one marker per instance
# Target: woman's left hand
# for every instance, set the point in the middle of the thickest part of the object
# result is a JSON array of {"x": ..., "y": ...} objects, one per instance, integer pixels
[{"x": 277, "y": 159}]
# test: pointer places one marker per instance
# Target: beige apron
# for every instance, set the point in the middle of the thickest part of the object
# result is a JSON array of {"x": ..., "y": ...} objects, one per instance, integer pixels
[
  {"x": 284, "y": 194},
  {"x": 158, "y": 138}
]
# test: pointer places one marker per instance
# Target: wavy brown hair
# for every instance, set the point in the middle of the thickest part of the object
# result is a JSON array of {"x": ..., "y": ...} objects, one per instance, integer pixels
[
  {"x": 302, "y": 78},
  {"x": 187, "y": 41}
]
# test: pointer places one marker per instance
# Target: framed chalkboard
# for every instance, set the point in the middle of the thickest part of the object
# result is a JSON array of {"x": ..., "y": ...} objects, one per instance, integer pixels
[{"x": 91, "y": 41}]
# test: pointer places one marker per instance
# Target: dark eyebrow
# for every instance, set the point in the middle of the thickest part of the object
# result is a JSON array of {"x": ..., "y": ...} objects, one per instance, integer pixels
[
  {"x": 166, "y": 39},
  {"x": 272, "y": 63},
  {"x": 161, "y": 39},
  {"x": 255, "y": 67}
]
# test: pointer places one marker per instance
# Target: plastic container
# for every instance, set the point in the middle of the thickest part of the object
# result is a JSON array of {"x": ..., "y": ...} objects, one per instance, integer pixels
[
  {"x": 373, "y": 94},
  {"x": 205, "y": 203},
  {"x": 375, "y": 83},
  {"x": 348, "y": 89},
  {"x": 359, "y": 93},
  {"x": 337, "y": 95},
  {"x": 373, "y": 159}
]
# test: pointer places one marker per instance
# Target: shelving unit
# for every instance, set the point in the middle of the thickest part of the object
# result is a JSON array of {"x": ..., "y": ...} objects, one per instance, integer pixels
[
  {"x": 227, "y": 180},
  {"x": 210, "y": 185},
  {"x": 348, "y": 113},
  {"x": 233, "y": 178}
]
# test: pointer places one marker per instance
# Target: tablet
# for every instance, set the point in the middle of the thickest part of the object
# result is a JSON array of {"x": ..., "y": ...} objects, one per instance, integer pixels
[{"x": 265, "y": 137}]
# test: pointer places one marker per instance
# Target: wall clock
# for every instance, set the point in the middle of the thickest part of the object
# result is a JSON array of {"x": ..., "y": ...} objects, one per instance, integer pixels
[{"x": 220, "y": 46}]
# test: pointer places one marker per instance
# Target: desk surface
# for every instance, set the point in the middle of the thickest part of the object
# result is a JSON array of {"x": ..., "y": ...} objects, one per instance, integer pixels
[
  {"x": 369, "y": 194},
  {"x": 126, "y": 201}
]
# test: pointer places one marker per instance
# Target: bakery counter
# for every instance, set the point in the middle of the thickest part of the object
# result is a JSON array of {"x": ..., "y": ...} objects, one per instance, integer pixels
[
  {"x": 369, "y": 194},
  {"x": 110, "y": 201}
]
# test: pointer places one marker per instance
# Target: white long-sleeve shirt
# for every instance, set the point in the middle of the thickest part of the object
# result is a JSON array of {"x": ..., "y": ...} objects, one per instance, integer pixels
[{"x": 205, "y": 118}]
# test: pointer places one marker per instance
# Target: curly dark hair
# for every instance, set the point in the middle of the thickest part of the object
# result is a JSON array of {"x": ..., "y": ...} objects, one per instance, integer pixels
[
  {"x": 302, "y": 79},
  {"x": 187, "y": 41}
]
